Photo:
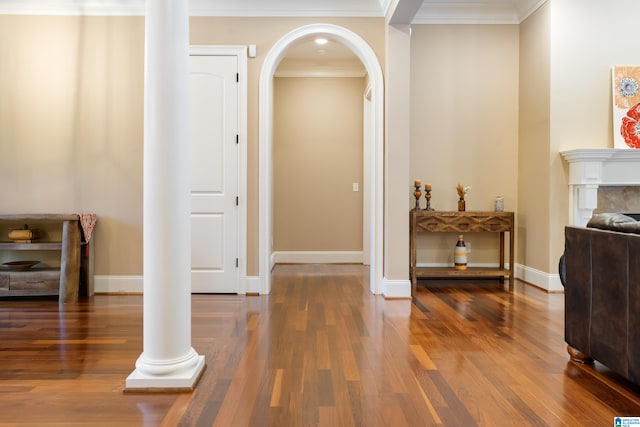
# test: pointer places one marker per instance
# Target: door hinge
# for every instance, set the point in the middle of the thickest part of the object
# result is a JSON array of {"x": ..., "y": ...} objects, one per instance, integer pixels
[
  {"x": 237, "y": 201},
  {"x": 237, "y": 77},
  {"x": 237, "y": 139},
  {"x": 237, "y": 262}
]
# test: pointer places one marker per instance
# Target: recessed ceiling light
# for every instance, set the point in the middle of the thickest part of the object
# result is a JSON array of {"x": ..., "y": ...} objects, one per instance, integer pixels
[{"x": 321, "y": 41}]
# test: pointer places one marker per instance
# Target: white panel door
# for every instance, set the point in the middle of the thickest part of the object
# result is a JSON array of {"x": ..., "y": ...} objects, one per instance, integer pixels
[{"x": 214, "y": 173}]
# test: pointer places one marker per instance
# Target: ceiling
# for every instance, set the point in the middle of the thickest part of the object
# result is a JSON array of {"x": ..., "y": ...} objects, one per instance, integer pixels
[{"x": 307, "y": 59}]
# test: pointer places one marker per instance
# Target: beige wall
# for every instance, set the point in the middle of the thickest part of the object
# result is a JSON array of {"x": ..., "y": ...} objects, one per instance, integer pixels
[
  {"x": 534, "y": 181},
  {"x": 72, "y": 104},
  {"x": 567, "y": 51},
  {"x": 464, "y": 124},
  {"x": 586, "y": 42},
  {"x": 71, "y": 118},
  {"x": 317, "y": 156},
  {"x": 71, "y": 126}
]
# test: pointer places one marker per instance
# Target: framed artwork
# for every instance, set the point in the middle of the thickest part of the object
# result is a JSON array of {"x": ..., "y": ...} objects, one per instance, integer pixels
[{"x": 626, "y": 106}]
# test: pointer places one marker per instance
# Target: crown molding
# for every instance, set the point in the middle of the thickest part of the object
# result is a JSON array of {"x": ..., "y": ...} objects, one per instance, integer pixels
[
  {"x": 528, "y": 7},
  {"x": 73, "y": 7},
  {"x": 253, "y": 8},
  {"x": 490, "y": 12},
  {"x": 431, "y": 12},
  {"x": 285, "y": 8},
  {"x": 384, "y": 6},
  {"x": 466, "y": 13}
]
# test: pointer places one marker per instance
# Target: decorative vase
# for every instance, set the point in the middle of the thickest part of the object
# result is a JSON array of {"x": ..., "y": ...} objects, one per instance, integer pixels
[
  {"x": 460, "y": 254},
  {"x": 461, "y": 205}
]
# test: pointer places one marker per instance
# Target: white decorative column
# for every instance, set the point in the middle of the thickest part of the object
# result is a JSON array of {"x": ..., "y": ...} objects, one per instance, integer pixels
[
  {"x": 168, "y": 361},
  {"x": 590, "y": 168}
]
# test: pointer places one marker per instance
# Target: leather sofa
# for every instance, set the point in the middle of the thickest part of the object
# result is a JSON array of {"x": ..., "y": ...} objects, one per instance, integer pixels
[{"x": 600, "y": 271}]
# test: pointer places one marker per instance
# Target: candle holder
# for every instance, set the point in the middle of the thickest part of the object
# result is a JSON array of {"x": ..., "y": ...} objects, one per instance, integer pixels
[
  {"x": 417, "y": 194},
  {"x": 427, "y": 196}
]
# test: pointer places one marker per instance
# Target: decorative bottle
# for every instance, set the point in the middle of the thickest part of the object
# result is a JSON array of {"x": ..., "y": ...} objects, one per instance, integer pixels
[{"x": 460, "y": 254}]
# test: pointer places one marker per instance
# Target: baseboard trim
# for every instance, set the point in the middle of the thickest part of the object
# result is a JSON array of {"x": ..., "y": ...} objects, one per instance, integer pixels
[
  {"x": 135, "y": 284},
  {"x": 539, "y": 279},
  {"x": 253, "y": 285},
  {"x": 390, "y": 288},
  {"x": 396, "y": 289},
  {"x": 118, "y": 284},
  {"x": 317, "y": 257},
  {"x": 545, "y": 281}
]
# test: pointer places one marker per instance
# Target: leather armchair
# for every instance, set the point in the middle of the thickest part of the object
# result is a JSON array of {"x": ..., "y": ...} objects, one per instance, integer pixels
[{"x": 600, "y": 271}]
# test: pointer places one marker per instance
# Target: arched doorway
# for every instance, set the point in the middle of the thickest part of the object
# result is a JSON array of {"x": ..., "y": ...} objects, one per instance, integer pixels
[{"x": 374, "y": 152}]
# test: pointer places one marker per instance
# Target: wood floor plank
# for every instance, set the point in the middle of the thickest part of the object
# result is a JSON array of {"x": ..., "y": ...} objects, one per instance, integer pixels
[{"x": 320, "y": 350}]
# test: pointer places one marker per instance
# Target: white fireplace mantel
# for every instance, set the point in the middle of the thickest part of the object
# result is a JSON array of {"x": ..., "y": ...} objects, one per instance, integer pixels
[{"x": 589, "y": 168}]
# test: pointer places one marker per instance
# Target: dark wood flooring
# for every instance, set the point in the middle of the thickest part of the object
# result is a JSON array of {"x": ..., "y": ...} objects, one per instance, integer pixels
[{"x": 319, "y": 351}]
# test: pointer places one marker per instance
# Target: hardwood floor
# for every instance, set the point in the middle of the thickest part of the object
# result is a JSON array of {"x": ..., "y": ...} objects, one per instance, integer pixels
[{"x": 320, "y": 350}]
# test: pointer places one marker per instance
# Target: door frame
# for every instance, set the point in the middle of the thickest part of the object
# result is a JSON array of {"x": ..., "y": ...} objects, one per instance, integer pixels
[
  {"x": 240, "y": 52},
  {"x": 375, "y": 153}
]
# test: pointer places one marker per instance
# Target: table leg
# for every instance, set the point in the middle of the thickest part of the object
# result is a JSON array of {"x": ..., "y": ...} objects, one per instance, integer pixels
[
  {"x": 70, "y": 262},
  {"x": 502, "y": 249},
  {"x": 511, "y": 260},
  {"x": 412, "y": 254},
  {"x": 501, "y": 255}
]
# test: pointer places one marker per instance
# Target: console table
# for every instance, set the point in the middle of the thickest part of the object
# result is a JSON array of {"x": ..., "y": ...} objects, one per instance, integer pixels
[
  {"x": 461, "y": 222},
  {"x": 63, "y": 281}
]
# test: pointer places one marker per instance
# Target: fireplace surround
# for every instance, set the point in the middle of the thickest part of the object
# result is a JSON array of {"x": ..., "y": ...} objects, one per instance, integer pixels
[{"x": 591, "y": 168}]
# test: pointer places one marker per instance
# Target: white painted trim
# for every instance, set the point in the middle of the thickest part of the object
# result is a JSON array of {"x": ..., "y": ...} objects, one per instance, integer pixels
[
  {"x": 456, "y": 13},
  {"x": 492, "y": 12},
  {"x": 118, "y": 284},
  {"x": 196, "y": 8},
  {"x": 590, "y": 168},
  {"x": 367, "y": 129},
  {"x": 540, "y": 279},
  {"x": 391, "y": 288},
  {"x": 261, "y": 8},
  {"x": 185, "y": 377},
  {"x": 396, "y": 288},
  {"x": 318, "y": 257},
  {"x": 240, "y": 52},
  {"x": 528, "y": 8},
  {"x": 253, "y": 285},
  {"x": 466, "y": 13},
  {"x": 135, "y": 284},
  {"x": 370, "y": 61},
  {"x": 73, "y": 7}
]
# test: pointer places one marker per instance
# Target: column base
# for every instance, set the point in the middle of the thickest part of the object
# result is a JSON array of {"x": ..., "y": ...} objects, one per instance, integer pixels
[{"x": 183, "y": 380}]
